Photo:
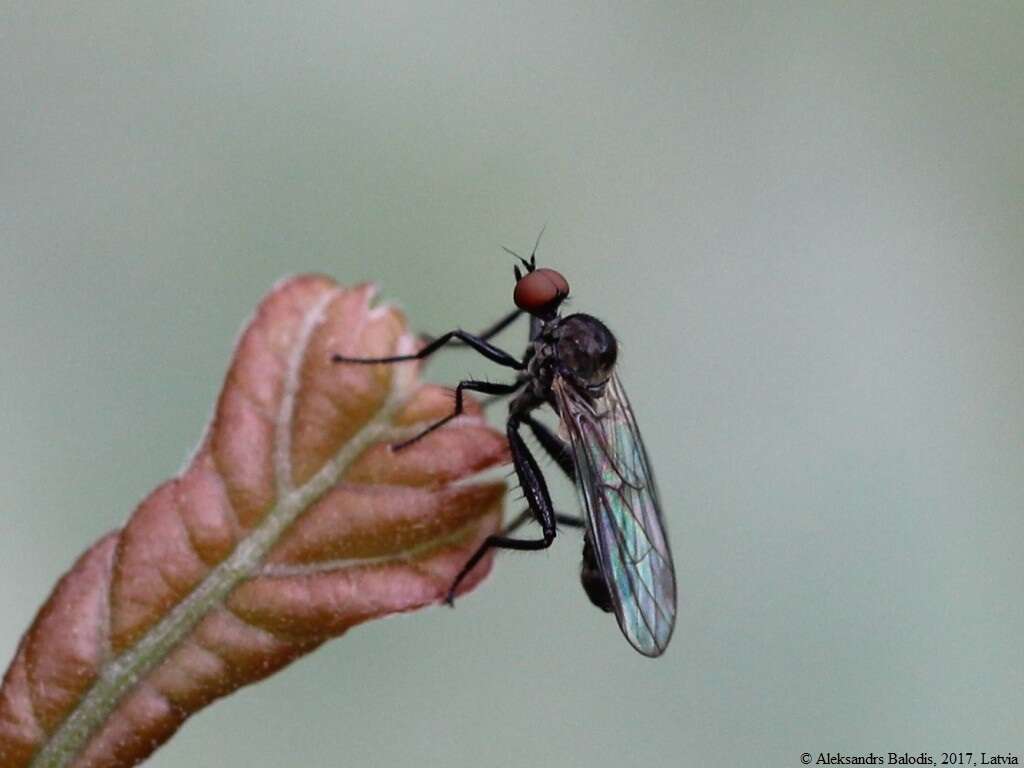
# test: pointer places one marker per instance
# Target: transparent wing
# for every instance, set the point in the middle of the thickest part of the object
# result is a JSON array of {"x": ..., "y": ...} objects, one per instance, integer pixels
[{"x": 617, "y": 489}]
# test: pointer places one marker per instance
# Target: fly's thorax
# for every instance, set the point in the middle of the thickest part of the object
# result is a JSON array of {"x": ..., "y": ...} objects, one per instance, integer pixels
[{"x": 585, "y": 347}]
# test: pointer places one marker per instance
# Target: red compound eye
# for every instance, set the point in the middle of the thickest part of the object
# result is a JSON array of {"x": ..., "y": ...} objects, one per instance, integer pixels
[{"x": 540, "y": 291}]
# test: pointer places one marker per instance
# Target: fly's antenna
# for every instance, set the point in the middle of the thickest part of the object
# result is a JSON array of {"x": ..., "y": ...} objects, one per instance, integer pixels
[
  {"x": 529, "y": 266},
  {"x": 533, "y": 254}
]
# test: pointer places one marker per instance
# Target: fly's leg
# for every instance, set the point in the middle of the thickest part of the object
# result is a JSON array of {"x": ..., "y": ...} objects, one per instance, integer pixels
[
  {"x": 501, "y": 325},
  {"x": 487, "y": 333},
  {"x": 482, "y": 346},
  {"x": 569, "y": 521},
  {"x": 559, "y": 450},
  {"x": 593, "y": 580},
  {"x": 521, "y": 519},
  {"x": 553, "y": 446},
  {"x": 487, "y": 402},
  {"x": 473, "y": 386},
  {"x": 536, "y": 491}
]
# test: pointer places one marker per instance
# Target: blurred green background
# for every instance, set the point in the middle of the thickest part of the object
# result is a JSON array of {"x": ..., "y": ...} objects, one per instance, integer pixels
[{"x": 804, "y": 221}]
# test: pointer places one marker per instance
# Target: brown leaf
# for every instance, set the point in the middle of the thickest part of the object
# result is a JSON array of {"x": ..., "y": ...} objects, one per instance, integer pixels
[{"x": 293, "y": 522}]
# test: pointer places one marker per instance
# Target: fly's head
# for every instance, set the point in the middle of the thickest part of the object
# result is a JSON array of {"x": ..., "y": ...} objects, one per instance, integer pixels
[
  {"x": 539, "y": 291},
  {"x": 585, "y": 349}
]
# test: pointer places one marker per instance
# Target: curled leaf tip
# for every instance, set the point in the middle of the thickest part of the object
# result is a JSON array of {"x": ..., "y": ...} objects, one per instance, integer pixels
[{"x": 292, "y": 522}]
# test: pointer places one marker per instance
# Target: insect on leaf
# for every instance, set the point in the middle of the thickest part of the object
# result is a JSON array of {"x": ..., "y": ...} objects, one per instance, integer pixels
[{"x": 292, "y": 522}]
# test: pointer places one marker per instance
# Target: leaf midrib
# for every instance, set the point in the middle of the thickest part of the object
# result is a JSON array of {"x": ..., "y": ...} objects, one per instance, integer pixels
[{"x": 122, "y": 673}]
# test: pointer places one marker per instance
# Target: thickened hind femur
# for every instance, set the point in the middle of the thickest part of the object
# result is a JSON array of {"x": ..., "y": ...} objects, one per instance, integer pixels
[{"x": 541, "y": 291}]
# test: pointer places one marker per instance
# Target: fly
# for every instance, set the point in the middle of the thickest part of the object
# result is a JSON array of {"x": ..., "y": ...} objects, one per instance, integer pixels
[{"x": 569, "y": 365}]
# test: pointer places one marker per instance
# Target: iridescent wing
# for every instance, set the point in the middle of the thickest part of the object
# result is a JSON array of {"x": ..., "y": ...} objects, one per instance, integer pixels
[{"x": 616, "y": 487}]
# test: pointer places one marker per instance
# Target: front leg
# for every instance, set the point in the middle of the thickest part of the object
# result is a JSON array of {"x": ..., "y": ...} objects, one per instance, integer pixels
[{"x": 491, "y": 330}]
